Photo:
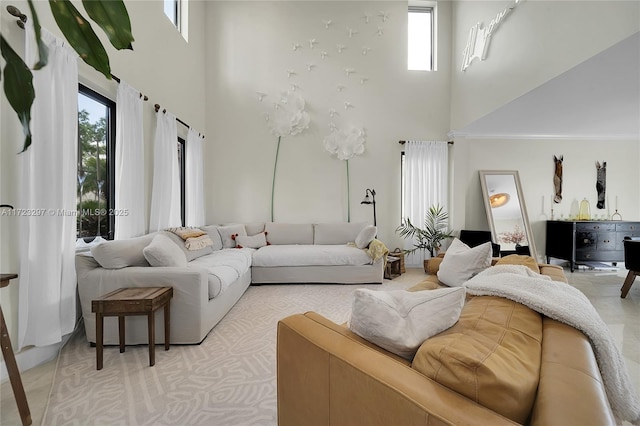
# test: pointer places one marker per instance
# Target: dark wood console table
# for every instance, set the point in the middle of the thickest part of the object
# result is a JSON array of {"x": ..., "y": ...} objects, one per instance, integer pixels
[
  {"x": 585, "y": 241},
  {"x": 10, "y": 361}
]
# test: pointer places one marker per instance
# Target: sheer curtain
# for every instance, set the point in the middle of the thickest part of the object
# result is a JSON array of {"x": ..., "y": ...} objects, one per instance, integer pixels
[
  {"x": 426, "y": 171},
  {"x": 194, "y": 180},
  {"x": 165, "y": 195},
  {"x": 129, "y": 165},
  {"x": 47, "y": 295}
]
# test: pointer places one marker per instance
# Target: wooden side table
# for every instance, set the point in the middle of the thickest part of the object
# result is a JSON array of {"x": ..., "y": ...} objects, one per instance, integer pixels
[
  {"x": 133, "y": 301},
  {"x": 392, "y": 270},
  {"x": 10, "y": 361}
]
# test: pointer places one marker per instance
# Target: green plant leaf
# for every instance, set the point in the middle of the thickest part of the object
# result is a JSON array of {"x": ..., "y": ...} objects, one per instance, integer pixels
[
  {"x": 78, "y": 32},
  {"x": 18, "y": 87},
  {"x": 113, "y": 18},
  {"x": 43, "y": 50}
]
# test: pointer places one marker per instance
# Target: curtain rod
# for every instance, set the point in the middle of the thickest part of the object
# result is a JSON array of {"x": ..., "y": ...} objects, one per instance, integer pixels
[
  {"x": 157, "y": 108},
  {"x": 146, "y": 98},
  {"x": 403, "y": 142}
]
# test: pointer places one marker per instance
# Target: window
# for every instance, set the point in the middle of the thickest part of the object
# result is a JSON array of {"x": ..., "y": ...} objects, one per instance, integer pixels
[
  {"x": 181, "y": 168},
  {"x": 172, "y": 10},
  {"x": 420, "y": 38},
  {"x": 402, "y": 185},
  {"x": 96, "y": 152}
]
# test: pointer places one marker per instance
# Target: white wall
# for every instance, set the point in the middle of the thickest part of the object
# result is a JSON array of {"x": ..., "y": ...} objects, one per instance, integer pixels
[
  {"x": 163, "y": 66},
  {"x": 249, "y": 50},
  {"x": 536, "y": 42},
  {"x": 533, "y": 159}
]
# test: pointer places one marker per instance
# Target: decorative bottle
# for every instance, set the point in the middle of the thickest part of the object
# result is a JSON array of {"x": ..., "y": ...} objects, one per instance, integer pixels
[{"x": 585, "y": 210}]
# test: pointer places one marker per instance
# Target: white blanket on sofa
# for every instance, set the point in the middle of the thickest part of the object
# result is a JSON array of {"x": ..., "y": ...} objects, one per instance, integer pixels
[{"x": 566, "y": 304}]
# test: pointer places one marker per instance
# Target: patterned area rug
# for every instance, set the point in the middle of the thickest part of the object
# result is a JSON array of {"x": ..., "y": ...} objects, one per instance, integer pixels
[{"x": 229, "y": 379}]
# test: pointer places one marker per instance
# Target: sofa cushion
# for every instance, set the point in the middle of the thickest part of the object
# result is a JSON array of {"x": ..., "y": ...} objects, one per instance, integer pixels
[
  {"x": 212, "y": 231},
  {"x": 164, "y": 252},
  {"x": 310, "y": 255},
  {"x": 227, "y": 233},
  {"x": 118, "y": 254},
  {"x": 251, "y": 241},
  {"x": 492, "y": 356},
  {"x": 399, "y": 321},
  {"x": 223, "y": 267},
  {"x": 289, "y": 233},
  {"x": 189, "y": 254},
  {"x": 461, "y": 262},
  {"x": 365, "y": 236},
  {"x": 518, "y": 259},
  {"x": 336, "y": 233},
  {"x": 254, "y": 228}
]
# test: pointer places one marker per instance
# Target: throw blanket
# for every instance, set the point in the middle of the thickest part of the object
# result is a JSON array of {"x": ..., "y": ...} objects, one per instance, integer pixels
[
  {"x": 566, "y": 304},
  {"x": 194, "y": 238},
  {"x": 377, "y": 250}
]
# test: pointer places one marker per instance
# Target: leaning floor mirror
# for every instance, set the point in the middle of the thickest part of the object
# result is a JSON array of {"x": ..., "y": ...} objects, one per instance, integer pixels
[{"x": 506, "y": 212}]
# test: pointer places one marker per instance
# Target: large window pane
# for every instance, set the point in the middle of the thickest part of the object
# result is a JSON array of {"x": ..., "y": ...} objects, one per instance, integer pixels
[
  {"x": 420, "y": 39},
  {"x": 95, "y": 187}
]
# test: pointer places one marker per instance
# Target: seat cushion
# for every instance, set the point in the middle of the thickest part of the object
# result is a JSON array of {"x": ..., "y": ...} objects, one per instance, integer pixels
[
  {"x": 223, "y": 267},
  {"x": 491, "y": 355}
]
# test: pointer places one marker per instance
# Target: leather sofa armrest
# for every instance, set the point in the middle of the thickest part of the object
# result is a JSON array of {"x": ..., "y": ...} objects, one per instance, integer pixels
[{"x": 324, "y": 378}]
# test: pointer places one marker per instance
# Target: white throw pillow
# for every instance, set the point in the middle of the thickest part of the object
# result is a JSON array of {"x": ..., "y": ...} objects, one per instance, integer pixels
[
  {"x": 116, "y": 254},
  {"x": 461, "y": 262},
  {"x": 400, "y": 321},
  {"x": 253, "y": 241},
  {"x": 164, "y": 252},
  {"x": 365, "y": 236},
  {"x": 226, "y": 232}
]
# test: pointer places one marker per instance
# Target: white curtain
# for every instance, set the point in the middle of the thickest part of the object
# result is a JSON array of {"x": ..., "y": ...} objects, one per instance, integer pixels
[
  {"x": 165, "y": 195},
  {"x": 426, "y": 183},
  {"x": 129, "y": 165},
  {"x": 194, "y": 179},
  {"x": 48, "y": 182}
]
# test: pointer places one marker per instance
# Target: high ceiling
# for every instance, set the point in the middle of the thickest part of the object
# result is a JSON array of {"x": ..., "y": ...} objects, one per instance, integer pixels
[{"x": 597, "y": 99}]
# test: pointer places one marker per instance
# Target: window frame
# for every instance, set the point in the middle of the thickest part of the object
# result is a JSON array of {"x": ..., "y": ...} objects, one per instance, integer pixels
[
  {"x": 110, "y": 153},
  {"x": 424, "y": 7},
  {"x": 176, "y": 20}
]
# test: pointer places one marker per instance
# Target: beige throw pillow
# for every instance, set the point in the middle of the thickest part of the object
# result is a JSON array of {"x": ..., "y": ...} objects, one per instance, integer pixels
[
  {"x": 400, "y": 321},
  {"x": 461, "y": 262}
]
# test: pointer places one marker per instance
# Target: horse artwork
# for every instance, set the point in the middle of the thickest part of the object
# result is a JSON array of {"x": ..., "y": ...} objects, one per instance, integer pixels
[
  {"x": 557, "y": 179},
  {"x": 601, "y": 182}
]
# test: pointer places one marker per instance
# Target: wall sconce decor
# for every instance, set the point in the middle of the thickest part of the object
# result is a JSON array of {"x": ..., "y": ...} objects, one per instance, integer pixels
[{"x": 371, "y": 200}]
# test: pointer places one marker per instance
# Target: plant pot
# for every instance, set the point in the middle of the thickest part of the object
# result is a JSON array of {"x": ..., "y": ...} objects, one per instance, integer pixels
[{"x": 426, "y": 265}]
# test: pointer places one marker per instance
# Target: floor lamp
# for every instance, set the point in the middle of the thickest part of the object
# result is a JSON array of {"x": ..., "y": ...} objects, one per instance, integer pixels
[{"x": 371, "y": 200}]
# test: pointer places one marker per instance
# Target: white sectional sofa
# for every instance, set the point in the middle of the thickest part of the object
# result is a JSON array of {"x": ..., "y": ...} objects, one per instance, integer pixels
[{"x": 207, "y": 282}]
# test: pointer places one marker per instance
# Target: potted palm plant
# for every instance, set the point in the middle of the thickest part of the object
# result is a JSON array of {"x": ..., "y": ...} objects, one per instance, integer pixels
[{"x": 430, "y": 238}]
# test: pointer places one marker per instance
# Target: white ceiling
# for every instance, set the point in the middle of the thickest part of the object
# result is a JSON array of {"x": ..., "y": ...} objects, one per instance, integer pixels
[{"x": 597, "y": 99}]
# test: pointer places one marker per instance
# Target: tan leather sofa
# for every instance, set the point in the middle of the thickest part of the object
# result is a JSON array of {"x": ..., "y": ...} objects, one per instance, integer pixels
[{"x": 329, "y": 375}]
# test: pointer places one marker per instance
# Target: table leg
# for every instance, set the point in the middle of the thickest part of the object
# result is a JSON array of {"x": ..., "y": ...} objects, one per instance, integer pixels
[
  {"x": 14, "y": 373},
  {"x": 121, "y": 328},
  {"x": 99, "y": 324},
  {"x": 167, "y": 326},
  {"x": 631, "y": 276},
  {"x": 152, "y": 338}
]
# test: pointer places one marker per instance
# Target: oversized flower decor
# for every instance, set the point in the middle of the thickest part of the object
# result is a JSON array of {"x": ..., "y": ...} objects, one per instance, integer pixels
[
  {"x": 288, "y": 119},
  {"x": 346, "y": 144}
]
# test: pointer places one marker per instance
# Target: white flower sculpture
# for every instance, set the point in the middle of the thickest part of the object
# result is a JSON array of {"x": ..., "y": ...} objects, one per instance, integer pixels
[
  {"x": 346, "y": 144},
  {"x": 288, "y": 119}
]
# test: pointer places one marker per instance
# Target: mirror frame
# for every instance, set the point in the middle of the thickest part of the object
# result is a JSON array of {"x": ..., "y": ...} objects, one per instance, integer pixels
[{"x": 523, "y": 209}]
